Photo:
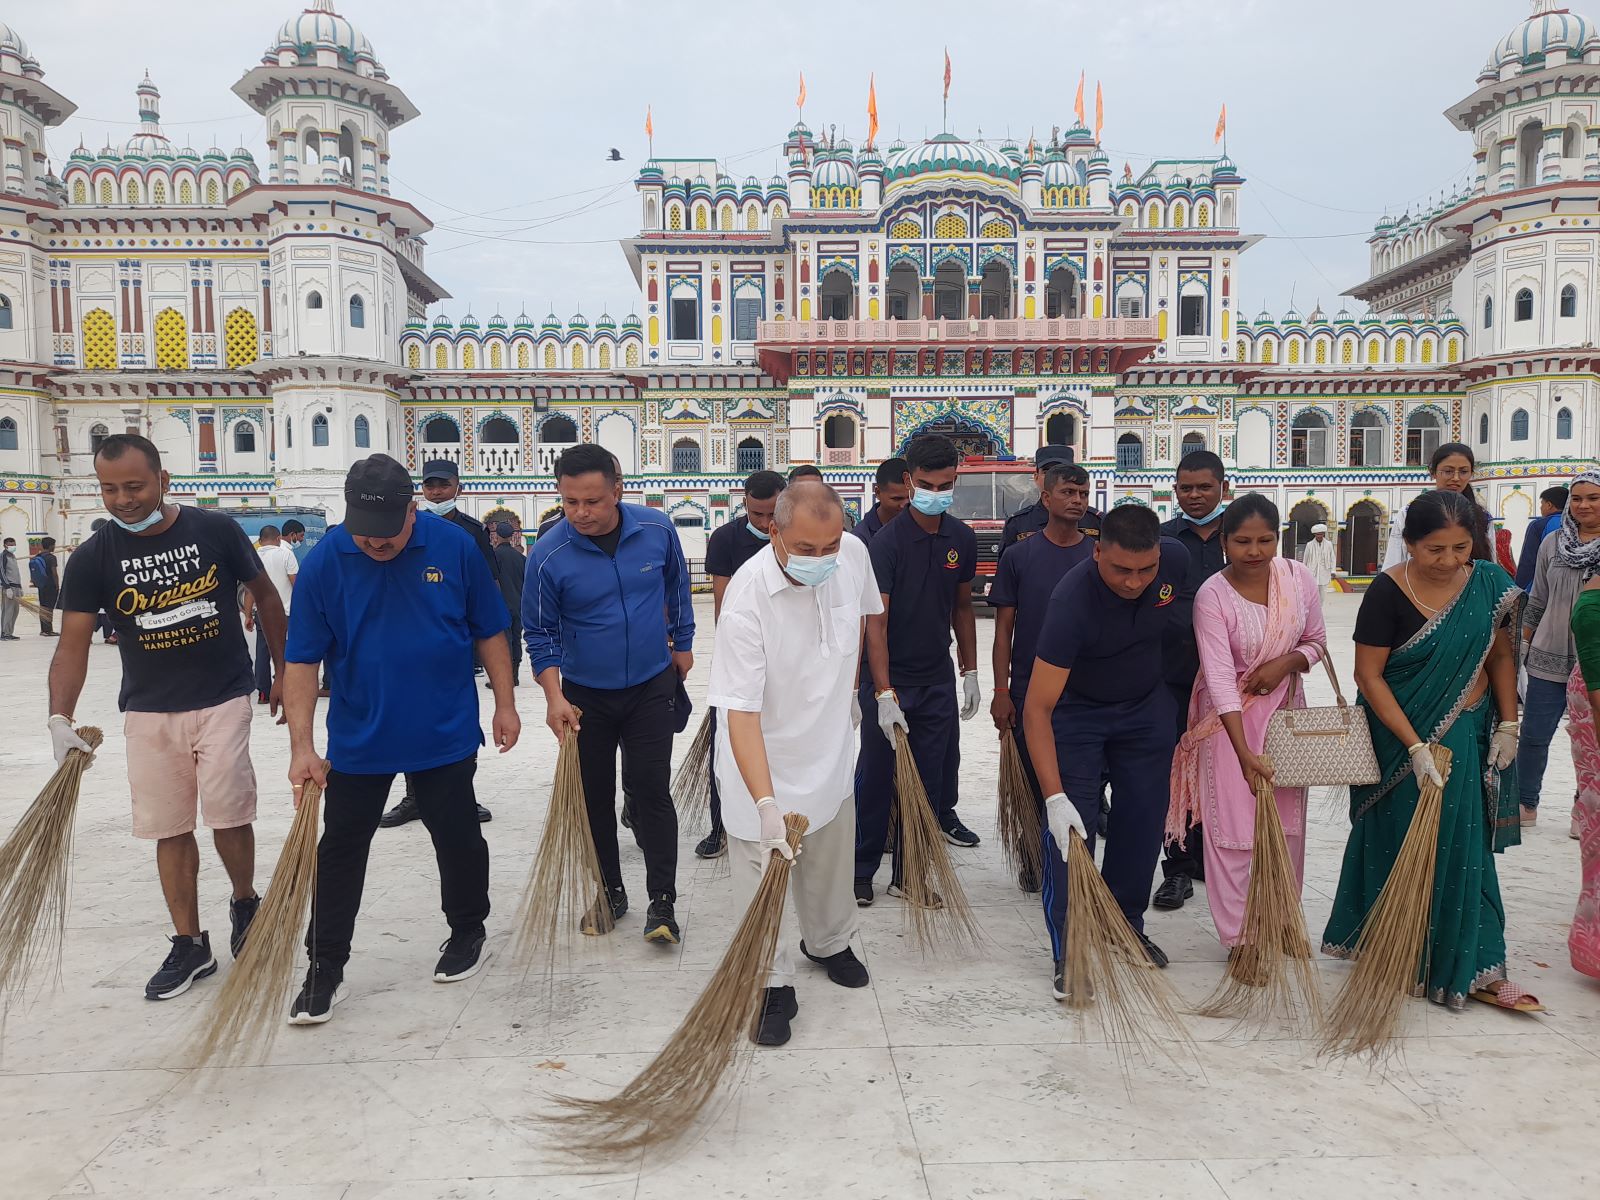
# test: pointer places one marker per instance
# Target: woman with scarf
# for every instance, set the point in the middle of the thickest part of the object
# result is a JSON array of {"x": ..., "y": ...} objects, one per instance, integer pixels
[
  {"x": 1452, "y": 467},
  {"x": 1568, "y": 557},
  {"x": 1435, "y": 665},
  {"x": 1583, "y": 713},
  {"x": 1258, "y": 625}
]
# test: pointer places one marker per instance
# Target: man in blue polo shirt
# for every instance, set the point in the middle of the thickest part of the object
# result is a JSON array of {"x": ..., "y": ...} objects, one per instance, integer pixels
[
  {"x": 924, "y": 559},
  {"x": 610, "y": 630},
  {"x": 1098, "y": 703},
  {"x": 393, "y": 600},
  {"x": 1023, "y": 584},
  {"x": 890, "y": 495}
]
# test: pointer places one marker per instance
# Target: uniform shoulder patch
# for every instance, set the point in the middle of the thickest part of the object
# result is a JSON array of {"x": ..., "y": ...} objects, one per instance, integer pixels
[{"x": 1165, "y": 595}]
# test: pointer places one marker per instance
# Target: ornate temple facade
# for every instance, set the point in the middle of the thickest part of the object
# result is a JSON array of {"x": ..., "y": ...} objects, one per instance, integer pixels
[{"x": 265, "y": 326}]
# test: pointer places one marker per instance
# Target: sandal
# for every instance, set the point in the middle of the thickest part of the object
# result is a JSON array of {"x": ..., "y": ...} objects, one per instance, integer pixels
[{"x": 1510, "y": 996}]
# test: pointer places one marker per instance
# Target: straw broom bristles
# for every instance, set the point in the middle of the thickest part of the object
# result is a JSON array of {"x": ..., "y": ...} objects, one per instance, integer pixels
[
  {"x": 1389, "y": 953},
  {"x": 1018, "y": 819},
  {"x": 36, "y": 868},
  {"x": 665, "y": 1099},
  {"x": 691, "y": 786},
  {"x": 249, "y": 1008},
  {"x": 934, "y": 901},
  {"x": 1270, "y": 971},
  {"x": 564, "y": 882},
  {"x": 1106, "y": 964}
]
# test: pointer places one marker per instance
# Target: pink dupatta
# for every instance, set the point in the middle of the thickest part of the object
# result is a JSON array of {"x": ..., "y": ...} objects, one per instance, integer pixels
[{"x": 1286, "y": 621}]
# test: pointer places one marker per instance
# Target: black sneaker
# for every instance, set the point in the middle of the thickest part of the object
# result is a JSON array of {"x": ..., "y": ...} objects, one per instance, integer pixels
[
  {"x": 958, "y": 834},
  {"x": 240, "y": 914},
  {"x": 1152, "y": 951},
  {"x": 484, "y": 815},
  {"x": 461, "y": 957},
  {"x": 844, "y": 968},
  {"x": 713, "y": 845},
  {"x": 594, "y": 921},
  {"x": 863, "y": 893},
  {"x": 658, "y": 923},
  {"x": 324, "y": 987},
  {"x": 188, "y": 960},
  {"x": 406, "y": 810},
  {"x": 778, "y": 1008},
  {"x": 1058, "y": 981},
  {"x": 1174, "y": 890}
]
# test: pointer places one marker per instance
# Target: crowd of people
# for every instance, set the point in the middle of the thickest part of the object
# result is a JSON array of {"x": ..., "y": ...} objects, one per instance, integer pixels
[{"x": 1137, "y": 665}]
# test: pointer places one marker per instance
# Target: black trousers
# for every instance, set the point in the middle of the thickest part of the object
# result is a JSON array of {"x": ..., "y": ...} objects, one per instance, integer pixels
[
  {"x": 1188, "y": 856},
  {"x": 48, "y": 597},
  {"x": 351, "y": 808},
  {"x": 514, "y": 641},
  {"x": 716, "y": 792},
  {"x": 641, "y": 721}
]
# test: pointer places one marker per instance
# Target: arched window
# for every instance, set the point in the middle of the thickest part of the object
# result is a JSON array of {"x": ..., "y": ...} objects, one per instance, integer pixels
[
  {"x": 241, "y": 338},
  {"x": 675, "y": 218},
  {"x": 839, "y": 432},
  {"x": 1130, "y": 452},
  {"x": 441, "y": 356},
  {"x": 1488, "y": 312},
  {"x": 686, "y": 457},
  {"x": 1367, "y": 439},
  {"x": 185, "y": 192},
  {"x": 8, "y": 434},
  {"x": 836, "y": 296},
  {"x": 99, "y": 340},
  {"x": 313, "y": 300},
  {"x": 1423, "y": 435},
  {"x": 499, "y": 431},
  {"x": 172, "y": 340},
  {"x": 549, "y": 356},
  {"x": 97, "y": 436},
  {"x": 1483, "y": 429},
  {"x": 414, "y": 356},
  {"x": 578, "y": 358},
  {"x": 363, "y": 433},
  {"x": 288, "y": 432},
  {"x": 1519, "y": 425},
  {"x": 5, "y": 312},
  {"x": 1572, "y": 141},
  {"x": 1524, "y": 309},
  {"x": 244, "y": 438},
  {"x": 1530, "y": 143},
  {"x": 603, "y": 356},
  {"x": 752, "y": 456},
  {"x": 358, "y": 313},
  {"x": 752, "y": 217},
  {"x": 1192, "y": 441},
  {"x": 1564, "y": 424},
  {"x": 319, "y": 430},
  {"x": 441, "y": 430},
  {"x": 469, "y": 356},
  {"x": 558, "y": 430},
  {"x": 105, "y": 191},
  {"x": 347, "y": 154},
  {"x": 1569, "y": 301},
  {"x": 1308, "y": 439},
  {"x": 158, "y": 191},
  {"x": 213, "y": 193},
  {"x": 1061, "y": 429},
  {"x": 497, "y": 356},
  {"x": 80, "y": 192}
]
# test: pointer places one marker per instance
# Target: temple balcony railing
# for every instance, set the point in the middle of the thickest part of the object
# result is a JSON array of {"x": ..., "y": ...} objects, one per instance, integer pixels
[{"x": 1058, "y": 331}]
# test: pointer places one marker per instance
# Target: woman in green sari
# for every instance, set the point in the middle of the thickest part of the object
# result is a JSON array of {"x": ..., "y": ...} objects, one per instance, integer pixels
[{"x": 1435, "y": 665}]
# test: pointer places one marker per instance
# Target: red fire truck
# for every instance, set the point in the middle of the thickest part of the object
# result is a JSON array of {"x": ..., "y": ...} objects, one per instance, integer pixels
[{"x": 988, "y": 490}]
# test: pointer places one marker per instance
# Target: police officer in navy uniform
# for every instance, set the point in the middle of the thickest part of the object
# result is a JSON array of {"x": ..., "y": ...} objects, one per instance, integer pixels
[
  {"x": 890, "y": 495},
  {"x": 1031, "y": 520}
]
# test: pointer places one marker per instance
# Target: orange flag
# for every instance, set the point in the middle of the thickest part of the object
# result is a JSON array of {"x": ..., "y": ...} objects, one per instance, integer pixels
[
  {"x": 1222, "y": 125},
  {"x": 1077, "y": 107},
  {"x": 1099, "y": 111},
  {"x": 800, "y": 100},
  {"x": 872, "y": 109},
  {"x": 649, "y": 124},
  {"x": 947, "y": 73}
]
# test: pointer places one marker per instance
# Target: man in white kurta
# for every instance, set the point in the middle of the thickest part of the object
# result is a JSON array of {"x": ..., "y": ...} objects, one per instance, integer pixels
[
  {"x": 1317, "y": 555},
  {"x": 783, "y": 679}
]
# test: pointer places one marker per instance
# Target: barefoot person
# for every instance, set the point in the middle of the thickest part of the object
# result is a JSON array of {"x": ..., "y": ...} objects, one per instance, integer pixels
[
  {"x": 168, "y": 576},
  {"x": 390, "y": 599},
  {"x": 782, "y": 678}
]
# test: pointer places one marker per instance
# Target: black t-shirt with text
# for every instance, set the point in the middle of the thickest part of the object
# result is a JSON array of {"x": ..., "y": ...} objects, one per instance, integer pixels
[{"x": 171, "y": 599}]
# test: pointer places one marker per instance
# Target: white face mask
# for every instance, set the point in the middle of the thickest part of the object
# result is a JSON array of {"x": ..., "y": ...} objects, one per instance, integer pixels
[{"x": 438, "y": 507}]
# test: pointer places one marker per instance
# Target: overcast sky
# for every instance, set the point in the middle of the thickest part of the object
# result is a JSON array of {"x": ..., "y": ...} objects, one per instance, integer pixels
[{"x": 1334, "y": 111}]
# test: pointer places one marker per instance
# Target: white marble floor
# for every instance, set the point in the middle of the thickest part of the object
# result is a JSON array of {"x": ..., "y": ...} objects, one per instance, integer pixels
[{"x": 942, "y": 1080}]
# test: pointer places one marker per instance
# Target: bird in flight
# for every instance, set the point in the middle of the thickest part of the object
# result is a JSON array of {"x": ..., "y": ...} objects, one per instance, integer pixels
[{"x": 615, "y": 155}]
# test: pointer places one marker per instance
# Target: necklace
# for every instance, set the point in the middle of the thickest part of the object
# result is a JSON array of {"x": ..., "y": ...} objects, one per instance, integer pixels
[{"x": 1412, "y": 592}]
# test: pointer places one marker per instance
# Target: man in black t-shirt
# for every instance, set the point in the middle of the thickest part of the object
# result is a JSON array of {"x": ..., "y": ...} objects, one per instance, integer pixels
[
  {"x": 168, "y": 577},
  {"x": 513, "y": 568}
]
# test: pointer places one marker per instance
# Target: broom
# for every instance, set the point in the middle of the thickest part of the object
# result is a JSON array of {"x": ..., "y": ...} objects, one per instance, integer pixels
[
  {"x": 1106, "y": 965},
  {"x": 665, "y": 1099},
  {"x": 691, "y": 786},
  {"x": 1270, "y": 970},
  {"x": 1389, "y": 953},
  {"x": 1018, "y": 819},
  {"x": 35, "y": 870},
  {"x": 564, "y": 880},
  {"x": 929, "y": 886},
  {"x": 249, "y": 1008}
]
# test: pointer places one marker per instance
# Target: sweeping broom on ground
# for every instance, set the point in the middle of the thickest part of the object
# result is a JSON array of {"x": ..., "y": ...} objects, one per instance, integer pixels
[
  {"x": 1106, "y": 965},
  {"x": 250, "y": 1005},
  {"x": 934, "y": 900},
  {"x": 1389, "y": 953},
  {"x": 1270, "y": 971},
  {"x": 691, "y": 786},
  {"x": 35, "y": 871},
  {"x": 666, "y": 1099},
  {"x": 1018, "y": 819},
  {"x": 564, "y": 881}
]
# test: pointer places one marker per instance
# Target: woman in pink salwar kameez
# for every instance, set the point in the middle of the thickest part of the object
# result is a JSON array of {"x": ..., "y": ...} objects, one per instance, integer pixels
[{"x": 1259, "y": 626}]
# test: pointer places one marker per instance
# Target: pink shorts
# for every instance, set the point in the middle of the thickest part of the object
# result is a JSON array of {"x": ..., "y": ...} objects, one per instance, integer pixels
[{"x": 178, "y": 761}]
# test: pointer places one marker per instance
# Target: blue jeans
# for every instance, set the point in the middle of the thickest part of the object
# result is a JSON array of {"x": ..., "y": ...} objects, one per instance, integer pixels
[{"x": 1542, "y": 707}]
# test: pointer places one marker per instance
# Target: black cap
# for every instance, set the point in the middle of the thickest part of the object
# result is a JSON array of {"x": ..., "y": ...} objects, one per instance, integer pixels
[
  {"x": 377, "y": 493},
  {"x": 1054, "y": 456},
  {"x": 440, "y": 468},
  {"x": 504, "y": 529}
]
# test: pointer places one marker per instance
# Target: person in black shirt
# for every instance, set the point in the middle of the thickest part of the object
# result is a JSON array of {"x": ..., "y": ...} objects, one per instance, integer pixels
[
  {"x": 46, "y": 576},
  {"x": 1097, "y": 705},
  {"x": 512, "y": 566},
  {"x": 890, "y": 495},
  {"x": 1201, "y": 492},
  {"x": 1031, "y": 520},
  {"x": 728, "y": 549}
]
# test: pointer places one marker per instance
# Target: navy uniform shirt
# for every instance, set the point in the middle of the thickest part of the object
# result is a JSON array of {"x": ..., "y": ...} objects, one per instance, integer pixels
[
  {"x": 1024, "y": 523},
  {"x": 731, "y": 546},
  {"x": 868, "y": 526},
  {"x": 1205, "y": 560},
  {"x": 920, "y": 573},
  {"x": 1025, "y": 581},
  {"x": 479, "y": 535},
  {"x": 1111, "y": 645}
]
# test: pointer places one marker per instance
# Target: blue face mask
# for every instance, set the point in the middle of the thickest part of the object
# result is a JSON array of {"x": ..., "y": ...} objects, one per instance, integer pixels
[
  {"x": 1207, "y": 519},
  {"x": 764, "y": 535},
  {"x": 140, "y": 526},
  {"x": 932, "y": 504},
  {"x": 438, "y": 508},
  {"x": 812, "y": 572}
]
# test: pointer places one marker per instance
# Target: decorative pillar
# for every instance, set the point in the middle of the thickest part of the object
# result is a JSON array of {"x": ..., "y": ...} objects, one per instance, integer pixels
[{"x": 206, "y": 421}]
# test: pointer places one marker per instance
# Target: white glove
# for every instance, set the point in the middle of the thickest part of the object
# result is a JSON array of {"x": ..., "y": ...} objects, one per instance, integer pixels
[
  {"x": 969, "y": 695},
  {"x": 1062, "y": 816},
  {"x": 63, "y": 738},
  {"x": 1422, "y": 766},
  {"x": 891, "y": 716},
  {"x": 773, "y": 834},
  {"x": 1503, "y": 745},
  {"x": 855, "y": 710}
]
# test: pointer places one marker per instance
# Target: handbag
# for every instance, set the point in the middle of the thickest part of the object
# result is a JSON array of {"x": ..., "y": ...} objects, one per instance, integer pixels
[{"x": 1321, "y": 747}]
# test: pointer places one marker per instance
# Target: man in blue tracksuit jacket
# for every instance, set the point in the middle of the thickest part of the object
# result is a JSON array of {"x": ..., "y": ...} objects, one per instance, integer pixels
[{"x": 610, "y": 632}]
